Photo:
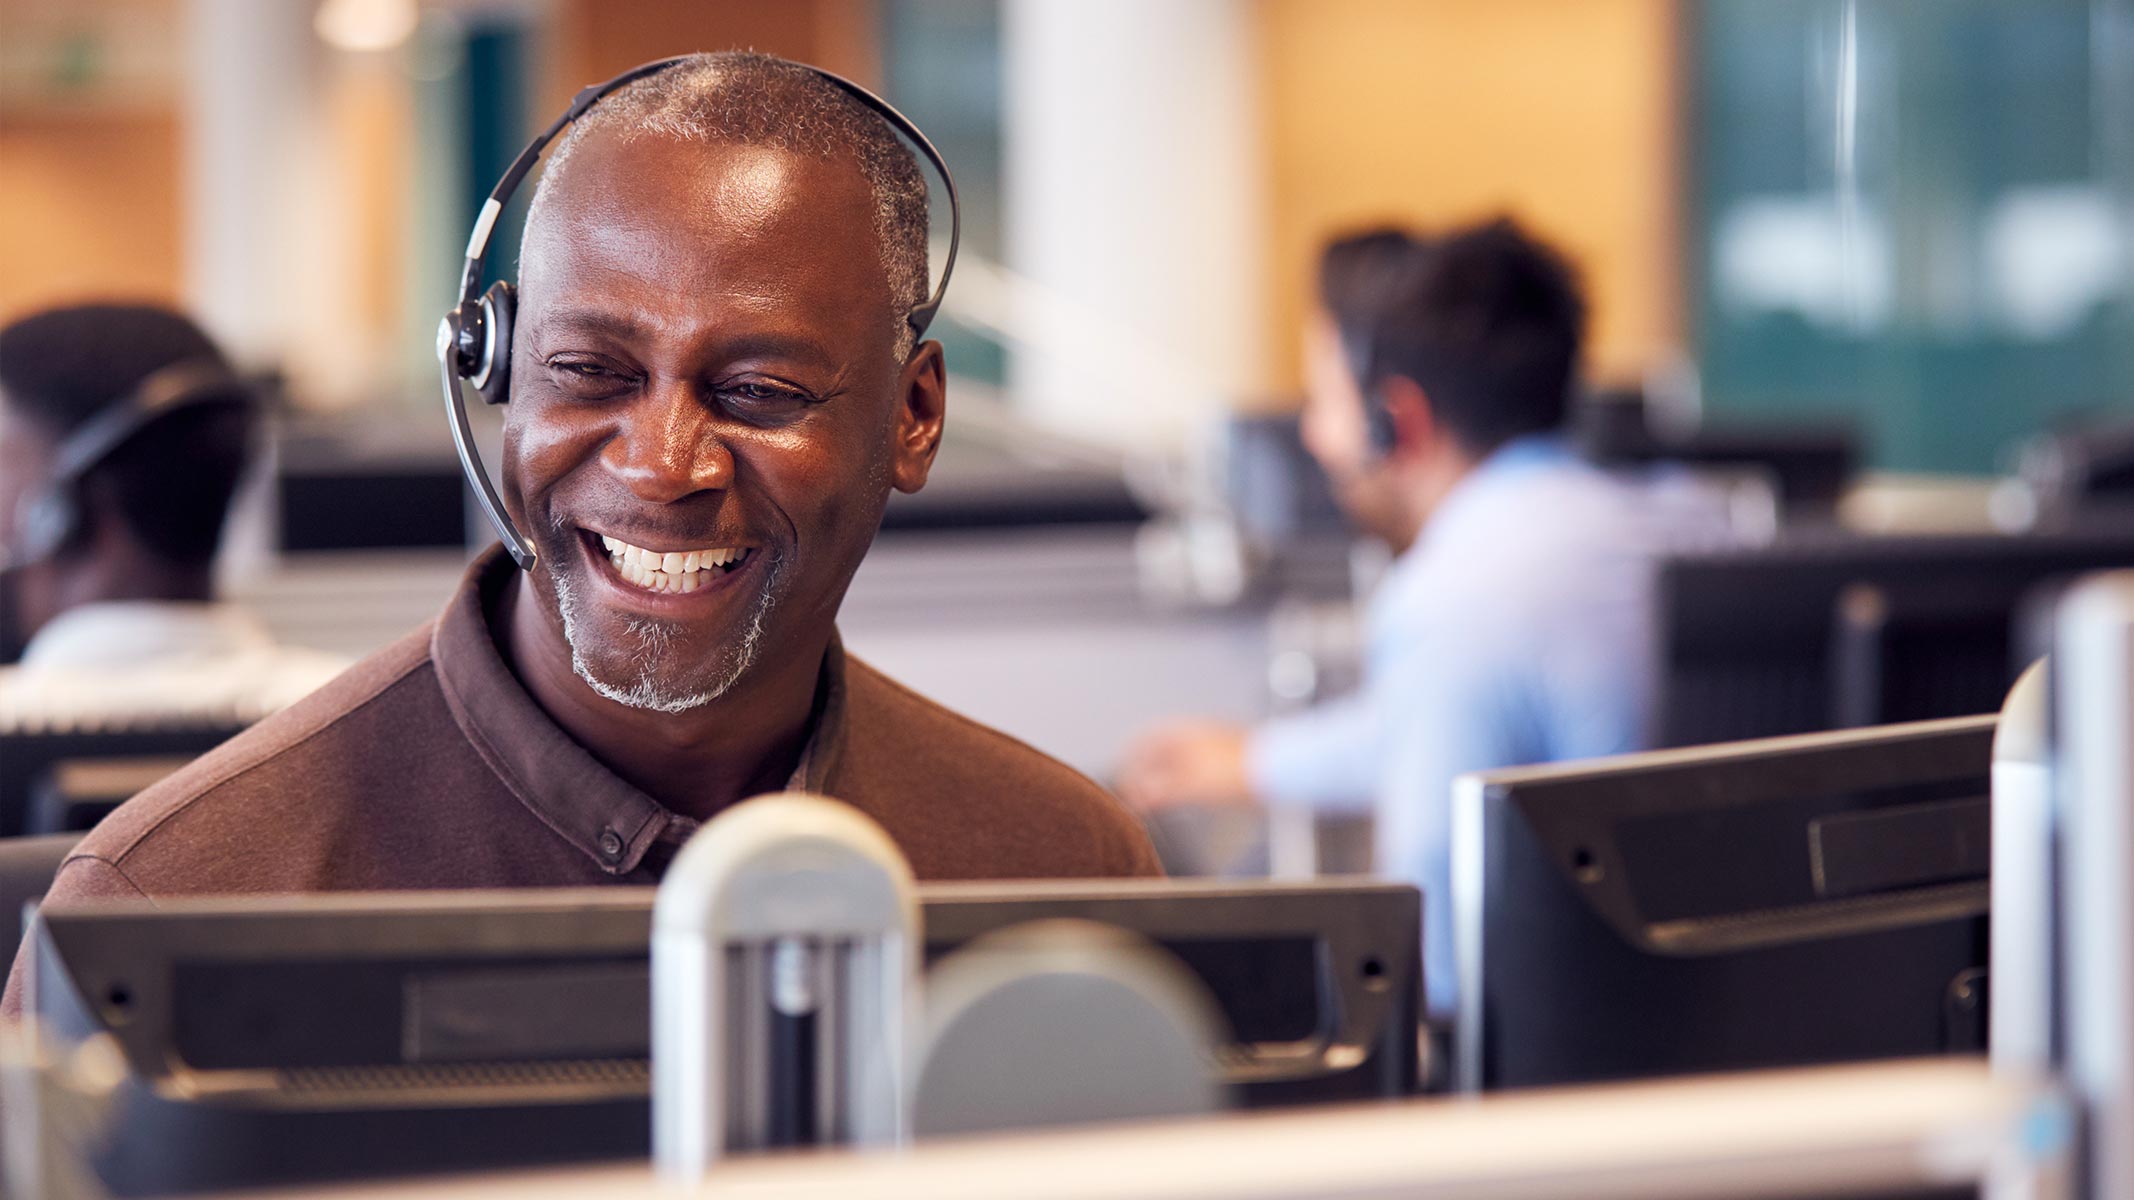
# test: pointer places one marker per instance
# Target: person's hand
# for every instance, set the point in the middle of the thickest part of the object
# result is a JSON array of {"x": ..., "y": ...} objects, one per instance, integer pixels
[{"x": 1186, "y": 762}]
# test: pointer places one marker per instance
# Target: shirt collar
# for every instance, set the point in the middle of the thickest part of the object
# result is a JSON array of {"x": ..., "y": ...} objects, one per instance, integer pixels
[
  {"x": 586, "y": 804},
  {"x": 131, "y": 633},
  {"x": 1471, "y": 497}
]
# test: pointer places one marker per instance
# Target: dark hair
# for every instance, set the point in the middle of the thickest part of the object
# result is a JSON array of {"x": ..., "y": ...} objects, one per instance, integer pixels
[
  {"x": 1488, "y": 321},
  {"x": 173, "y": 482},
  {"x": 1356, "y": 273}
]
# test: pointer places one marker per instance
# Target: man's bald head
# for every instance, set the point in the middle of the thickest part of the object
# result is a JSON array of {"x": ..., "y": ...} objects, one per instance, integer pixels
[{"x": 745, "y": 98}]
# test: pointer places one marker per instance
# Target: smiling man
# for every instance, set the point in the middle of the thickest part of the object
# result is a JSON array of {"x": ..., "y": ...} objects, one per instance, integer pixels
[{"x": 713, "y": 391}]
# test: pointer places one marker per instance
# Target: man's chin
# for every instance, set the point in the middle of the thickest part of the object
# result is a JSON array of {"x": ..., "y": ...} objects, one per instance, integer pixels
[
  {"x": 649, "y": 663},
  {"x": 644, "y": 666},
  {"x": 640, "y": 663},
  {"x": 644, "y": 693}
]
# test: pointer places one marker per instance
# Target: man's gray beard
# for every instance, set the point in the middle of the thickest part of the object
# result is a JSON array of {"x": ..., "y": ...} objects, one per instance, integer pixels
[{"x": 645, "y": 692}]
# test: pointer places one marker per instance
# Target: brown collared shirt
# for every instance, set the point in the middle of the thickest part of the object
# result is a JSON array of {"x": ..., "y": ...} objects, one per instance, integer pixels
[{"x": 428, "y": 765}]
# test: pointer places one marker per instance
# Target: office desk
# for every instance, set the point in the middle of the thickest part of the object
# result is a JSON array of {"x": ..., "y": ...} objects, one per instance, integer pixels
[{"x": 1876, "y": 1130}]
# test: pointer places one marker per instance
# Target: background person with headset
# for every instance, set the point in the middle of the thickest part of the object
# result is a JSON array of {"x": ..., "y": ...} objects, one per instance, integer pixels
[
  {"x": 123, "y": 438},
  {"x": 715, "y": 376},
  {"x": 1514, "y": 627},
  {"x": 1326, "y": 755}
]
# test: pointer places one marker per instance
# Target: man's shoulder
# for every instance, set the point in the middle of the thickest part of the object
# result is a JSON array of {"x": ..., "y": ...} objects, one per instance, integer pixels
[
  {"x": 283, "y": 760},
  {"x": 1568, "y": 556},
  {"x": 893, "y": 731}
]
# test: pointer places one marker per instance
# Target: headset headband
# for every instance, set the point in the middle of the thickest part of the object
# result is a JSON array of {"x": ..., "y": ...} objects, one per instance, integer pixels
[
  {"x": 180, "y": 385},
  {"x": 47, "y": 519},
  {"x": 474, "y": 339},
  {"x": 921, "y": 315}
]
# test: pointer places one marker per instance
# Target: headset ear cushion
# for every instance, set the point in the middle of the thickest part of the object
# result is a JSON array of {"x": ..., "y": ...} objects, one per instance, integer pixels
[
  {"x": 499, "y": 306},
  {"x": 47, "y": 523}
]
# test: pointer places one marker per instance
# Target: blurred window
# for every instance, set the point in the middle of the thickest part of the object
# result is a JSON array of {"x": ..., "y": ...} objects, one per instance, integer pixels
[
  {"x": 941, "y": 68},
  {"x": 1916, "y": 212}
]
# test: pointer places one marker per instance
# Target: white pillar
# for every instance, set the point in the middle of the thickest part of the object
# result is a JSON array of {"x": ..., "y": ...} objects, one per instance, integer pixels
[
  {"x": 266, "y": 216},
  {"x": 1133, "y": 192},
  {"x": 245, "y": 101}
]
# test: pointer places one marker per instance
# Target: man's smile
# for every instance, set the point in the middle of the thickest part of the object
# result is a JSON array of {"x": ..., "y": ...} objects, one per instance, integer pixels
[{"x": 662, "y": 571}]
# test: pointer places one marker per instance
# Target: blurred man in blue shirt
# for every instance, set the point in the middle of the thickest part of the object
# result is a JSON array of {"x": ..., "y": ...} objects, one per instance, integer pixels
[{"x": 1515, "y": 625}]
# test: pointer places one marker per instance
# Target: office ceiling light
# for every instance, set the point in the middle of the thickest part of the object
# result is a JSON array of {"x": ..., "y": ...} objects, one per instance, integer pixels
[{"x": 365, "y": 24}]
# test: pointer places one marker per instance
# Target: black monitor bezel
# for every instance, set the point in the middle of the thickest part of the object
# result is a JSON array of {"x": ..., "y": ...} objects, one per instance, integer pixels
[{"x": 1366, "y": 926}]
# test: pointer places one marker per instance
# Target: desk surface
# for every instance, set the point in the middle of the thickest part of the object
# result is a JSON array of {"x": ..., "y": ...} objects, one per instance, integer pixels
[{"x": 1825, "y": 1131}]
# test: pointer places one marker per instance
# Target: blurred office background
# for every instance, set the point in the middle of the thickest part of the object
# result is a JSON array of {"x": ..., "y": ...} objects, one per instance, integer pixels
[{"x": 1902, "y": 228}]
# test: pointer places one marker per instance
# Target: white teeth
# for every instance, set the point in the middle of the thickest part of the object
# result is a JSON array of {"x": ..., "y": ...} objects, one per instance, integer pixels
[{"x": 668, "y": 571}]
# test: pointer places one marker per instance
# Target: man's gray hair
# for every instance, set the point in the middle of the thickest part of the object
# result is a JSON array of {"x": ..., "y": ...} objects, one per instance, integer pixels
[{"x": 752, "y": 99}]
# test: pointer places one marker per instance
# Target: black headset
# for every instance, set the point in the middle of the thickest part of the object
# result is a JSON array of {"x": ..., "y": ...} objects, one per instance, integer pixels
[
  {"x": 51, "y": 517},
  {"x": 474, "y": 339},
  {"x": 1359, "y": 349},
  {"x": 1362, "y": 343}
]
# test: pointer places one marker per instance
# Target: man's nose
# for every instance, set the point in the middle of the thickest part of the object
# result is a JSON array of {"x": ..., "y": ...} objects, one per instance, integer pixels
[{"x": 671, "y": 446}]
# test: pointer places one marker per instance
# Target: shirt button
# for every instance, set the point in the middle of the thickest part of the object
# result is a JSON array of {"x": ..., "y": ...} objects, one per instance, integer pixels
[{"x": 610, "y": 844}]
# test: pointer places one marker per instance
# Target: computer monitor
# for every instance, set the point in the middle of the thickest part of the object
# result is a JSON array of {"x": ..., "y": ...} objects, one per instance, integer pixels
[
  {"x": 1808, "y": 464},
  {"x": 1914, "y": 650},
  {"x": 344, "y": 485},
  {"x": 1300, "y": 542},
  {"x": 1785, "y": 902},
  {"x": 303, "y": 1038},
  {"x": 76, "y": 793},
  {"x": 2083, "y": 472},
  {"x": 1012, "y": 479},
  {"x": 31, "y": 761},
  {"x": 1750, "y": 643},
  {"x": 1277, "y": 490}
]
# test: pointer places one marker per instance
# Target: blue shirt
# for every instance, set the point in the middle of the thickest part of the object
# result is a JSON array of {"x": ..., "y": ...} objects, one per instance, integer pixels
[{"x": 1518, "y": 629}]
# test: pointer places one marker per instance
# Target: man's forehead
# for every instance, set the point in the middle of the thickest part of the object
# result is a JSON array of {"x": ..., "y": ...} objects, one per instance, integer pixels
[{"x": 676, "y": 206}]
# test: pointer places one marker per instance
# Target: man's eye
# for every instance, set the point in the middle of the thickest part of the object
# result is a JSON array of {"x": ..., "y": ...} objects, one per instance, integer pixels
[
  {"x": 586, "y": 376},
  {"x": 759, "y": 397}
]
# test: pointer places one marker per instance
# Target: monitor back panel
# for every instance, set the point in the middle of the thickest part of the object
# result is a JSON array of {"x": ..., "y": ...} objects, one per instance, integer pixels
[
  {"x": 1823, "y": 901},
  {"x": 317, "y": 1037},
  {"x": 28, "y": 757}
]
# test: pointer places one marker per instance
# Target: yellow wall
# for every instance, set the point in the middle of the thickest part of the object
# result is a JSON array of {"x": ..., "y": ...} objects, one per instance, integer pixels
[
  {"x": 369, "y": 119},
  {"x": 88, "y": 208},
  {"x": 598, "y": 38},
  {"x": 1561, "y": 112}
]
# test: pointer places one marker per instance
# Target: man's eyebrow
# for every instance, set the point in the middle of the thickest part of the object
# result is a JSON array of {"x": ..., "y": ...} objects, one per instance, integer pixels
[
  {"x": 595, "y": 321},
  {"x": 767, "y": 344},
  {"x": 625, "y": 327}
]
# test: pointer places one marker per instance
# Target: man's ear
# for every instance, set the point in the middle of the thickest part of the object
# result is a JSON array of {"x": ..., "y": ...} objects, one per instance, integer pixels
[
  {"x": 922, "y": 409},
  {"x": 1416, "y": 431}
]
